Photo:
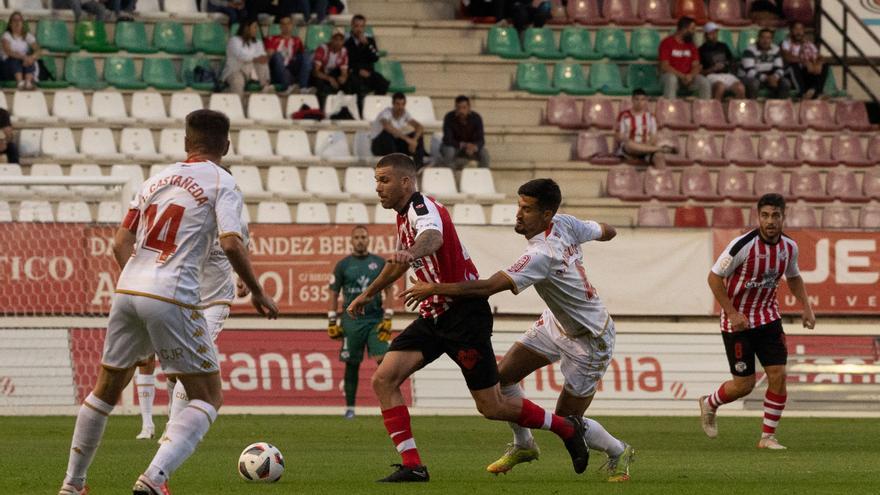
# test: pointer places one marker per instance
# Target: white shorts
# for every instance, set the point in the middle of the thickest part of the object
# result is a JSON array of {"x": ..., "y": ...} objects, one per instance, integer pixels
[
  {"x": 727, "y": 80},
  {"x": 216, "y": 316},
  {"x": 583, "y": 360},
  {"x": 140, "y": 326}
]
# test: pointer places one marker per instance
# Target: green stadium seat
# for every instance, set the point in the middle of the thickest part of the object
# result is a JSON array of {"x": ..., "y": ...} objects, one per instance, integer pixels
[
  {"x": 132, "y": 37},
  {"x": 92, "y": 36},
  {"x": 187, "y": 69},
  {"x": 160, "y": 74},
  {"x": 532, "y": 77},
  {"x": 831, "y": 89},
  {"x": 210, "y": 38},
  {"x": 746, "y": 38},
  {"x": 539, "y": 42},
  {"x": 504, "y": 42},
  {"x": 168, "y": 37},
  {"x": 645, "y": 43},
  {"x": 605, "y": 78},
  {"x": 52, "y": 34},
  {"x": 59, "y": 82},
  {"x": 575, "y": 42},
  {"x": 120, "y": 73},
  {"x": 393, "y": 72},
  {"x": 80, "y": 71},
  {"x": 317, "y": 35},
  {"x": 779, "y": 35},
  {"x": 726, "y": 36},
  {"x": 611, "y": 43},
  {"x": 569, "y": 78},
  {"x": 2, "y": 25},
  {"x": 274, "y": 30},
  {"x": 645, "y": 76}
]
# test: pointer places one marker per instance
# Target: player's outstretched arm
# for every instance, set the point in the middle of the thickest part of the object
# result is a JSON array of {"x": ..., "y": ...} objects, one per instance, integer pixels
[
  {"x": 123, "y": 246},
  {"x": 737, "y": 320},
  {"x": 799, "y": 291},
  {"x": 471, "y": 288},
  {"x": 237, "y": 255},
  {"x": 608, "y": 232},
  {"x": 389, "y": 274}
]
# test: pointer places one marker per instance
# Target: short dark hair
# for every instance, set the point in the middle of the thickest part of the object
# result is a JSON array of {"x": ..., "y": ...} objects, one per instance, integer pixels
[
  {"x": 398, "y": 96},
  {"x": 772, "y": 199},
  {"x": 765, "y": 30},
  {"x": 207, "y": 130},
  {"x": 358, "y": 17},
  {"x": 359, "y": 227},
  {"x": 795, "y": 23},
  {"x": 639, "y": 92},
  {"x": 684, "y": 22},
  {"x": 462, "y": 98},
  {"x": 399, "y": 162},
  {"x": 546, "y": 191}
]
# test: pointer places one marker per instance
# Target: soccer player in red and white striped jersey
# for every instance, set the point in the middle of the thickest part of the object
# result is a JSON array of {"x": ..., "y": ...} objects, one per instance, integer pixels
[
  {"x": 637, "y": 133},
  {"x": 744, "y": 281}
]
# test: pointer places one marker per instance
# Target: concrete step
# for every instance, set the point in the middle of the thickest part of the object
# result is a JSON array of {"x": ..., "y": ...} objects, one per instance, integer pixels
[{"x": 407, "y": 10}]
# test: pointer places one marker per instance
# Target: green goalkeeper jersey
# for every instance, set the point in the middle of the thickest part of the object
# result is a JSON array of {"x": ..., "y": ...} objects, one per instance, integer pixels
[{"x": 352, "y": 275}]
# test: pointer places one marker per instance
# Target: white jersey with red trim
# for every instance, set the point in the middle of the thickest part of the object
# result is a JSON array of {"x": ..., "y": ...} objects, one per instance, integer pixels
[
  {"x": 638, "y": 128},
  {"x": 553, "y": 263},
  {"x": 753, "y": 268},
  {"x": 449, "y": 264},
  {"x": 218, "y": 284},
  {"x": 177, "y": 216}
]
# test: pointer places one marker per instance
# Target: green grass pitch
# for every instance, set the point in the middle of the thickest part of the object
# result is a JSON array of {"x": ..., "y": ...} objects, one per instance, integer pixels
[{"x": 329, "y": 455}]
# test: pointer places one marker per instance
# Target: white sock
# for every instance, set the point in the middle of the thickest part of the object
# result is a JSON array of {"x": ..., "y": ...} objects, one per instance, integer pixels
[
  {"x": 146, "y": 390},
  {"x": 90, "y": 422},
  {"x": 169, "y": 387},
  {"x": 599, "y": 439},
  {"x": 179, "y": 403},
  {"x": 522, "y": 436},
  {"x": 181, "y": 439}
]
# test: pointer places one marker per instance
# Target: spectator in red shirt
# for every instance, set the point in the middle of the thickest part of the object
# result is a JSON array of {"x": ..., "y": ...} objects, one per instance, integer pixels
[
  {"x": 289, "y": 64},
  {"x": 330, "y": 68},
  {"x": 680, "y": 62}
]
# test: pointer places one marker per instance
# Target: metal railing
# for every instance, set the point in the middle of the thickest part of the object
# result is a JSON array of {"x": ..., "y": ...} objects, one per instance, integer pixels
[{"x": 845, "y": 58}]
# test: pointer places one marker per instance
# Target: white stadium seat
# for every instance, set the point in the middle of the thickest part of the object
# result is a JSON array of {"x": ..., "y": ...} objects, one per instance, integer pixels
[
  {"x": 137, "y": 144},
  {"x": 363, "y": 145},
  {"x": 97, "y": 143},
  {"x": 295, "y": 102},
  {"x": 73, "y": 211},
  {"x": 109, "y": 212},
  {"x": 439, "y": 183},
  {"x": 273, "y": 212},
  {"x": 324, "y": 182},
  {"x": 352, "y": 213},
  {"x": 58, "y": 142},
  {"x": 35, "y": 211},
  {"x": 337, "y": 102},
  {"x": 5, "y": 212},
  {"x": 87, "y": 170},
  {"x": 108, "y": 106},
  {"x": 183, "y": 103},
  {"x": 30, "y": 107},
  {"x": 3, "y": 103},
  {"x": 30, "y": 8},
  {"x": 283, "y": 182},
  {"x": 246, "y": 214},
  {"x": 230, "y": 104},
  {"x": 181, "y": 7},
  {"x": 477, "y": 183},
  {"x": 248, "y": 179},
  {"x": 266, "y": 109},
  {"x": 384, "y": 216},
  {"x": 254, "y": 145},
  {"x": 69, "y": 106},
  {"x": 149, "y": 108},
  {"x": 171, "y": 144},
  {"x": 294, "y": 145},
  {"x": 156, "y": 168},
  {"x": 134, "y": 173},
  {"x": 312, "y": 213},
  {"x": 150, "y": 9},
  {"x": 30, "y": 142},
  {"x": 468, "y": 214},
  {"x": 10, "y": 192},
  {"x": 373, "y": 106},
  {"x": 48, "y": 170},
  {"x": 332, "y": 146},
  {"x": 503, "y": 215},
  {"x": 360, "y": 182},
  {"x": 422, "y": 110}
]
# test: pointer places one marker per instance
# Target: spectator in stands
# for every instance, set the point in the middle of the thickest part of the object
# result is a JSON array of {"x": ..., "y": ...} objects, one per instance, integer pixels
[
  {"x": 680, "y": 62},
  {"x": 234, "y": 10},
  {"x": 395, "y": 131},
  {"x": 636, "y": 134},
  {"x": 362, "y": 55},
  {"x": 524, "y": 13},
  {"x": 309, "y": 7},
  {"x": 123, "y": 10},
  {"x": 246, "y": 59},
  {"x": 330, "y": 68},
  {"x": 7, "y": 138},
  {"x": 803, "y": 63},
  {"x": 484, "y": 10},
  {"x": 289, "y": 64},
  {"x": 93, "y": 7},
  {"x": 463, "y": 135},
  {"x": 765, "y": 12},
  {"x": 761, "y": 67},
  {"x": 20, "y": 52},
  {"x": 717, "y": 62}
]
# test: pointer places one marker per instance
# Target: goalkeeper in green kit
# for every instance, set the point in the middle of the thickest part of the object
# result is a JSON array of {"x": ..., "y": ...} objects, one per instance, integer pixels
[{"x": 372, "y": 330}]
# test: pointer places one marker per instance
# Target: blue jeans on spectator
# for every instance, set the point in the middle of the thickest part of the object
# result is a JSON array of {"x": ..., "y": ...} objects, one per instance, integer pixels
[
  {"x": 16, "y": 66},
  {"x": 300, "y": 67},
  {"x": 126, "y": 5},
  {"x": 309, "y": 7}
]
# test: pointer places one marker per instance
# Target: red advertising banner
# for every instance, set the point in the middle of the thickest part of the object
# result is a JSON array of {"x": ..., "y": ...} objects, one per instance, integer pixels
[
  {"x": 258, "y": 368},
  {"x": 841, "y": 270}
]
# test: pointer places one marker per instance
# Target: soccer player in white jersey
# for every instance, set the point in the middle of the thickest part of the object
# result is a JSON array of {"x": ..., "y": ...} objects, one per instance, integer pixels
[
  {"x": 743, "y": 281},
  {"x": 575, "y": 330},
  {"x": 177, "y": 216}
]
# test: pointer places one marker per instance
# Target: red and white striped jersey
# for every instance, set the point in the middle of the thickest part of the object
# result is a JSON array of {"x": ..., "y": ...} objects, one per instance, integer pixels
[
  {"x": 639, "y": 128},
  {"x": 449, "y": 264},
  {"x": 753, "y": 268}
]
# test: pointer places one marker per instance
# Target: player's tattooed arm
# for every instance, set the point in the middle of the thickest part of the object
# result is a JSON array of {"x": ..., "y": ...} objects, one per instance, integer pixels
[
  {"x": 472, "y": 288},
  {"x": 427, "y": 243},
  {"x": 123, "y": 246},
  {"x": 608, "y": 232}
]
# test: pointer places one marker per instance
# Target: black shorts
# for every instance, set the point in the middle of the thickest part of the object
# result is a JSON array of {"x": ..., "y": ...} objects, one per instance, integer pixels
[
  {"x": 464, "y": 333},
  {"x": 766, "y": 341}
]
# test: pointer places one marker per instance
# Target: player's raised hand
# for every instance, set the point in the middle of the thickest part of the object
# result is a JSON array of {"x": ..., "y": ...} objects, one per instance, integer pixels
[
  {"x": 356, "y": 308},
  {"x": 417, "y": 293},
  {"x": 739, "y": 322},
  {"x": 264, "y": 305},
  {"x": 809, "y": 319},
  {"x": 403, "y": 256}
]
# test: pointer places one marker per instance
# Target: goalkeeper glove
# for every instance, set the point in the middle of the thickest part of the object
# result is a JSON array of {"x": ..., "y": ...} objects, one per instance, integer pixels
[
  {"x": 384, "y": 328},
  {"x": 333, "y": 328}
]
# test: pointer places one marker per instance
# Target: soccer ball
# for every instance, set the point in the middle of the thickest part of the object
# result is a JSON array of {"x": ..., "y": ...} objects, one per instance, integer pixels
[{"x": 261, "y": 462}]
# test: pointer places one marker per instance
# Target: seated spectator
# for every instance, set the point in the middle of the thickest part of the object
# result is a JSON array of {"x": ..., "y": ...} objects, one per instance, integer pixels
[
  {"x": 484, "y": 10},
  {"x": 7, "y": 138},
  {"x": 93, "y": 7},
  {"x": 20, "y": 52},
  {"x": 463, "y": 135},
  {"x": 680, "y": 62},
  {"x": 717, "y": 62},
  {"x": 525, "y": 13},
  {"x": 804, "y": 64},
  {"x": 636, "y": 133},
  {"x": 330, "y": 68},
  {"x": 307, "y": 8},
  {"x": 765, "y": 12},
  {"x": 389, "y": 132},
  {"x": 234, "y": 10},
  {"x": 761, "y": 67},
  {"x": 246, "y": 59},
  {"x": 289, "y": 64},
  {"x": 362, "y": 55}
]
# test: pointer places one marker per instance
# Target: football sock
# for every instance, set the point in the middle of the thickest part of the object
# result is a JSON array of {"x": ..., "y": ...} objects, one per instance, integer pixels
[
  {"x": 179, "y": 403},
  {"x": 773, "y": 406},
  {"x": 146, "y": 390},
  {"x": 90, "y": 422},
  {"x": 397, "y": 422},
  {"x": 522, "y": 437},
  {"x": 719, "y": 397},
  {"x": 181, "y": 437},
  {"x": 598, "y": 438},
  {"x": 534, "y": 416},
  {"x": 170, "y": 384},
  {"x": 351, "y": 383}
]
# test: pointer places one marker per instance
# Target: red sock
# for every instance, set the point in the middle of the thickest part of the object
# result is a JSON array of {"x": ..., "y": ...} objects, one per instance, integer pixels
[
  {"x": 719, "y": 397},
  {"x": 534, "y": 416},
  {"x": 398, "y": 425},
  {"x": 773, "y": 406}
]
